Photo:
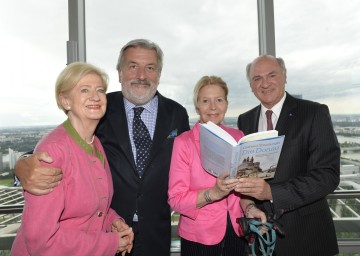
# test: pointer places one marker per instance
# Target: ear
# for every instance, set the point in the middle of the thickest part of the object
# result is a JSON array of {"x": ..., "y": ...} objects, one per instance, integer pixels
[
  {"x": 120, "y": 75},
  {"x": 197, "y": 110},
  {"x": 65, "y": 103}
]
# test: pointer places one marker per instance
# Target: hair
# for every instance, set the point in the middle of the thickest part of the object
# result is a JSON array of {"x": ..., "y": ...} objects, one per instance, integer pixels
[
  {"x": 279, "y": 60},
  {"x": 207, "y": 80},
  {"x": 72, "y": 74},
  {"x": 145, "y": 44}
]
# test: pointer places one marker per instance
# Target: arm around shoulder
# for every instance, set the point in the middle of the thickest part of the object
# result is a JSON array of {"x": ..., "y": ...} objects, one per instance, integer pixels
[{"x": 35, "y": 178}]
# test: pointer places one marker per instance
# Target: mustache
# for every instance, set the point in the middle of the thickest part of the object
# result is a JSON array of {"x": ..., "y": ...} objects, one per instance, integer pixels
[{"x": 140, "y": 81}]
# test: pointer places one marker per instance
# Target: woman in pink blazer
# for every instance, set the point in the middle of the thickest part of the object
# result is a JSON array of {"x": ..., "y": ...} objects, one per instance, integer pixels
[
  {"x": 208, "y": 205},
  {"x": 75, "y": 218}
]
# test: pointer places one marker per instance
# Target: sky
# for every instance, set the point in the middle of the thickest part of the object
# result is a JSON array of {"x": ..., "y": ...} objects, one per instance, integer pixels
[{"x": 319, "y": 43}]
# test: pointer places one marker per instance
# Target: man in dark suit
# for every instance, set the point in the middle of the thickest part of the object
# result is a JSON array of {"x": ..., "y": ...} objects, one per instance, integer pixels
[
  {"x": 140, "y": 197},
  {"x": 309, "y": 165}
]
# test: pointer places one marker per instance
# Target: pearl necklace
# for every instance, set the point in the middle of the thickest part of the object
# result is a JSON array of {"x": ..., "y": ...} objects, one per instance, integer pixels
[{"x": 92, "y": 140}]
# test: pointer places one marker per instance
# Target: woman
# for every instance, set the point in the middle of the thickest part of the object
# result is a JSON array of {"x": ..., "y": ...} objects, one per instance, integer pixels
[
  {"x": 75, "y": 219},
  {"x": 208, "y": 205}
]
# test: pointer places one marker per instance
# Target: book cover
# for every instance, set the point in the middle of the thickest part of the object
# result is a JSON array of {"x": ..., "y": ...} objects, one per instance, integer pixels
[{"x": 254, "y": 155}]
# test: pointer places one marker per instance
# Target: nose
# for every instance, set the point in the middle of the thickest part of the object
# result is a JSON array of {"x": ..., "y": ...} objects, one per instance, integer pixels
[
  {"x": 141, "y": 73},
  {"x": 95, "y": 95},
  {"x": 212, "y": 104},
  {"x": 265, "y": 82}
]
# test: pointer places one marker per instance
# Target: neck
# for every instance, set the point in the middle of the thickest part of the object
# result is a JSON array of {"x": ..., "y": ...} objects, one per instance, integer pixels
[{"x": 86, "y": 130}]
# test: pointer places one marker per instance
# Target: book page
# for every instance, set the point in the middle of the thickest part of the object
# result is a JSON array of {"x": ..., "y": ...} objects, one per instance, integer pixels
[
  {"x": 220, "y": 132},
  {"x": 259, "y": 136}
]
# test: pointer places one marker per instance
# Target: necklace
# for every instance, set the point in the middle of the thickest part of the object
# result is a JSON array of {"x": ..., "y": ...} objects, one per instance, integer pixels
[{"x": 92, "y": 140}]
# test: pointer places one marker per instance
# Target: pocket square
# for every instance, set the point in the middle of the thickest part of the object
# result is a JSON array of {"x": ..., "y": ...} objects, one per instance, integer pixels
[{"x": 172, "y": 134}]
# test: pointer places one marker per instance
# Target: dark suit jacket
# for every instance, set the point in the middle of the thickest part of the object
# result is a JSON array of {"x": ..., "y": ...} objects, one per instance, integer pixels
[
  {"x": 308, "y": 170},
  {"x": 149, "y": 194}
]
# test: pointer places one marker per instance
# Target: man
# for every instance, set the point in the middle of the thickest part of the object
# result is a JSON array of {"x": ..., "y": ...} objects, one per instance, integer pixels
[
  {"x": 140, "y": 194},
  {"x": 308, "y": 168}
]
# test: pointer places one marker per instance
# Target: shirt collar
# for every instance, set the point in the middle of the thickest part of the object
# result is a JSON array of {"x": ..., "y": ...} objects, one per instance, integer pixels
[
  {"x": 276, "y": 108},
  {"x": 150, "y": 106},
  {"x": 82, "y": 143}
]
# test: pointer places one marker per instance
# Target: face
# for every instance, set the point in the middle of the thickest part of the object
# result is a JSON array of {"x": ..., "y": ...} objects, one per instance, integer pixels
[
  {"x": 139, "y": 75},
  {"x": 87, "y": 100},
  {"x": 211, "y": 104},
  {"x": 267, "y": 80}
]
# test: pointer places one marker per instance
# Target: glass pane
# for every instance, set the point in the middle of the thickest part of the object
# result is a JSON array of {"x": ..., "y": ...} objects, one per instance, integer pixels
[
  {"x": 320, "y": 45},
  {"x": 198, "y": 38},
  {"x": 33, "y": 52}
]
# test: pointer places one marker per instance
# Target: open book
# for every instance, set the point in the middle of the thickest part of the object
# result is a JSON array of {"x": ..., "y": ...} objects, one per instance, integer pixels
[{"x": 254, "y": 155}]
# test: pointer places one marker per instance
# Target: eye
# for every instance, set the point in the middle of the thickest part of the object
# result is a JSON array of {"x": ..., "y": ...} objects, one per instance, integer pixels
[
  {"x": 101, "y": 90},
  {"x": 220, "y": 100},
  {"x": 133, "y": 66},
  {"x": 84, "y": 90},
  {"x": 151, "y": 68},
  {"x": 204, "y": 101}
]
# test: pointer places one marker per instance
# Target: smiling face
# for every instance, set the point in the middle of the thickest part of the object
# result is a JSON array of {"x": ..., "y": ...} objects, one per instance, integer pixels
[
  {"x": 139, "y": 75},
  {"x": 267, "y": 80},
  {"x": 87, "y": 100},
  {"x": 211, "y": 103}
]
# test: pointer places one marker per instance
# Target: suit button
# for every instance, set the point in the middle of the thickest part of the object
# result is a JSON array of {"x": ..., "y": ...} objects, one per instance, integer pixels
[{"x": 99, "y": 214}]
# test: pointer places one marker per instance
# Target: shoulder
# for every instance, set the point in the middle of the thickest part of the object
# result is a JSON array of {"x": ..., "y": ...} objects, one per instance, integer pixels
[
  {"x": 184, "y": 137},
  {"x": 306, "y": 106},
  {"x": 56, "y": 136},
  {"x": 170, "y": 104},
  {"x": 114, "y": 98},
  {"x": 235, "y": 133}
]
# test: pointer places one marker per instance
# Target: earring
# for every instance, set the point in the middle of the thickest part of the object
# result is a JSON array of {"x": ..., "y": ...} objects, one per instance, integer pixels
[{"x": 68, "y": 107}]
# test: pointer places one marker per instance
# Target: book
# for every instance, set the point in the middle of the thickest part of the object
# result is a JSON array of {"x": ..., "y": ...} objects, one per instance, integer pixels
[{"x": 254, "y": 155}]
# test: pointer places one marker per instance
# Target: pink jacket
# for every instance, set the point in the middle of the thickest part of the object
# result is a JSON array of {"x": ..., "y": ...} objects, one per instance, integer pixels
[
  {"x": 74, "y": 219},
  {"x": 204, "y": 225}
]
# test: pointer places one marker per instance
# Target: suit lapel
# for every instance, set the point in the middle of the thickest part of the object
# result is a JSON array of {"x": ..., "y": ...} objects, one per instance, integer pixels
[
  {"x": 162, "y": 128},
  {"x": 287, "y": 115},
  {"x": 118, "y": 121}
]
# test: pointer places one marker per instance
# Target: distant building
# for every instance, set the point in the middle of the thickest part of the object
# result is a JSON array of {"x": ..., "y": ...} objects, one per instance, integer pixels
[
  {"x": 13, "y": 156},
  {"x": 1, "y": 163}
]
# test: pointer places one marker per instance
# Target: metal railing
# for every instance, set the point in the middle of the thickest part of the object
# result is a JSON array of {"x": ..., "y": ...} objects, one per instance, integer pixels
[{"x": 342, "y": 224}]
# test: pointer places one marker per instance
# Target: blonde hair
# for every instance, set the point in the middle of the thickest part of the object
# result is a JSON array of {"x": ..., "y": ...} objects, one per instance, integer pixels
[
  {"x": 72, "y": 74},
  {"x": 206, "y": 80}
]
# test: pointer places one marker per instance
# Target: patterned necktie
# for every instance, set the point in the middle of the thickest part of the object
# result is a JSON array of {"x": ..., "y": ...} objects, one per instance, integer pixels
[
  {"x": 268, "y": 114},
  {"x": 142, "y": 141}
]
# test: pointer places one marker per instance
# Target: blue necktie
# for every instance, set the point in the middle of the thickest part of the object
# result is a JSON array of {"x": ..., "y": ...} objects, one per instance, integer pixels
[{"x": 142, "y": 141}]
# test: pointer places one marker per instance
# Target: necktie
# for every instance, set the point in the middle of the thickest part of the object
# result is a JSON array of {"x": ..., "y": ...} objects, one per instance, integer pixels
[
  {"x": 142, "y": 140},
  {"x": 268, "y": 114}
]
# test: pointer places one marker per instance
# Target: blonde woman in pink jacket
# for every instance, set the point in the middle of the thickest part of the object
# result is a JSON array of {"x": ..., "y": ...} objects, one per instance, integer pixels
[
  {"x": 75, "y": 218},
  {"x": 208, "y": 205}
]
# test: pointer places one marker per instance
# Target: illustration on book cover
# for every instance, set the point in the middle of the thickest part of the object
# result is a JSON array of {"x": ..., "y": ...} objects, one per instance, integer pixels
[{"x": 251, "y": 169}]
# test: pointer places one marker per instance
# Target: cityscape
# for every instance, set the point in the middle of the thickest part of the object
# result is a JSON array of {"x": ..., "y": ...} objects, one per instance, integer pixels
[{"x": 15, "y": 141}]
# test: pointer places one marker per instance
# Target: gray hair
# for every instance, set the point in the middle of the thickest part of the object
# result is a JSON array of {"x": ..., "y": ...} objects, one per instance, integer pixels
[
  {"x": 279, "y": 60},
  {"x": 141, "y": 43}
]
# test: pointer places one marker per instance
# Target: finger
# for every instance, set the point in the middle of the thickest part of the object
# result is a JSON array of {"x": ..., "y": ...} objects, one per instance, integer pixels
[
  {"x": 43, "y": 156},
  {"x": 40, "y": 192},
  {"x": 224, "y": 175}
]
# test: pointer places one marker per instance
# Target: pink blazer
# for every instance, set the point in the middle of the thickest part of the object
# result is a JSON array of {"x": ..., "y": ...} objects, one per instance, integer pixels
[
  {"x": 74, "y": 219},
  {"x": 206, "y": 225}
]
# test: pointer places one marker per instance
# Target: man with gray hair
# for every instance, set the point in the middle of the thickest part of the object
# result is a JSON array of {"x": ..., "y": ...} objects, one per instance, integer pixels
[
  {"x": 309, "y": 165},
  {"x": 137, "y": 133}
]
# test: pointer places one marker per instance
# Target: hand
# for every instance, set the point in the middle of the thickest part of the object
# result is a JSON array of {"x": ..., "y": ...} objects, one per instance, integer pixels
[
  {"x": 126, "y": 235},
  {"x": 254, "y": 187},
  {"x": 119, "y": 225},
  {"x": 34, "y": 178},
  {"x": 255, "y": 212},
  {"x": 224, "y": 185}
]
